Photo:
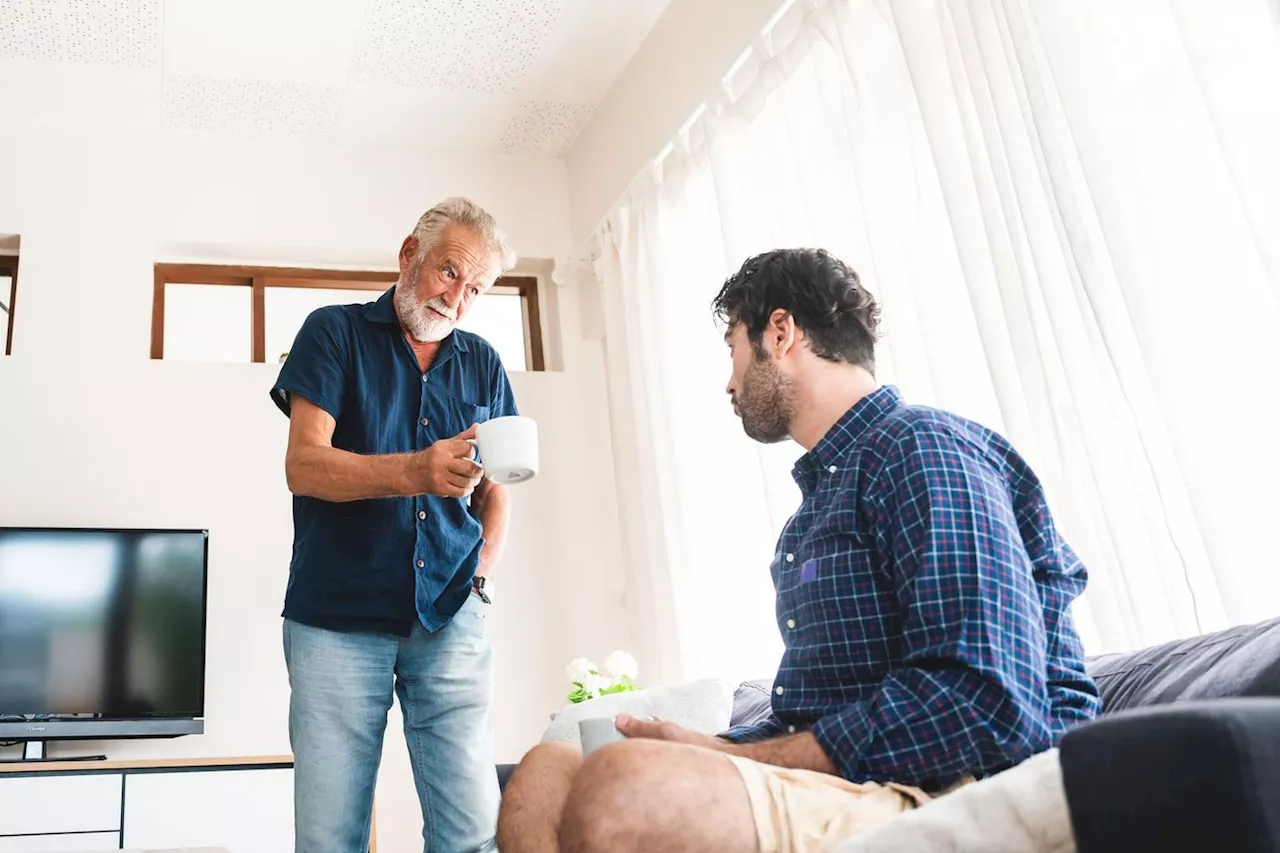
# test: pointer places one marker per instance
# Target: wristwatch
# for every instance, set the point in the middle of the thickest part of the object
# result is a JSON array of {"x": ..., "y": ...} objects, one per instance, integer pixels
[{"x": 478, "y": 584}]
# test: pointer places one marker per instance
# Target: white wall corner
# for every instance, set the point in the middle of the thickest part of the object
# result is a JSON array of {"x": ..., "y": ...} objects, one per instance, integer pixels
[
  {"x": 590, "y": 293},
  {"x": 679, "y": 66}
]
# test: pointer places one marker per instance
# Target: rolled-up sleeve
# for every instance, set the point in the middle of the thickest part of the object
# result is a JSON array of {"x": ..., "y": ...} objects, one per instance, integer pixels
[
  {"x": 763, "y": 730},
  {"x": 502, "y": 400}
]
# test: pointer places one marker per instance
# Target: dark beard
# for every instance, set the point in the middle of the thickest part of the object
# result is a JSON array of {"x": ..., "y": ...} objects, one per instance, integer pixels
[{"x": 765, "y": 403}]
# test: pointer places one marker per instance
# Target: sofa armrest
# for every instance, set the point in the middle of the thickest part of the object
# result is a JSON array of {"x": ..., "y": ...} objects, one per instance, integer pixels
[
  {"x": 1191, "y": 776},
  {"x": 504, "y": 775}
]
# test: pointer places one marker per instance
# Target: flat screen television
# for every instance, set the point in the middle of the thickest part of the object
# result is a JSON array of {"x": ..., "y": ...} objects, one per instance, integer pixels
[{"x": 102, "y": 633}]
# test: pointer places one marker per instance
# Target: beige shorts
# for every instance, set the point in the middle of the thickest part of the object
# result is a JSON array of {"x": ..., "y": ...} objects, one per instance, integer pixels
[{"x": 802, "y": 811}]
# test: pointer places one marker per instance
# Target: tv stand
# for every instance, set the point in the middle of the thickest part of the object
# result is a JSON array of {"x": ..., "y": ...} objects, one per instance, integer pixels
[
  {"x": 237, "y": 803},
  {"x": 36, "y": 750}
]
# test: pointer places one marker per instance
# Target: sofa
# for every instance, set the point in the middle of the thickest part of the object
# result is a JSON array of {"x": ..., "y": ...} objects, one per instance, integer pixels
[
  {"x": 1187, "y": 749},
  {"x": 1187, "y": 753}
]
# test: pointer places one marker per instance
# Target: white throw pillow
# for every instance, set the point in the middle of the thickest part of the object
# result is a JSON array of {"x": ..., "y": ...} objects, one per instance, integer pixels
[{"x": 701, "y": 706}]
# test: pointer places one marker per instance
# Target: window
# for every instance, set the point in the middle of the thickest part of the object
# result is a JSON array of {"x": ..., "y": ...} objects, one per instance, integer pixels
[
  {"x": 8, "y": 294},
  {"x": 507, "y": 317},
  {"x": 239, "y": 314}
]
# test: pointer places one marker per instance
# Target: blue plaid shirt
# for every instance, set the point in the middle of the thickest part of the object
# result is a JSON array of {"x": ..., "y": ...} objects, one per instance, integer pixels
[{"x": 923, "y": 596}]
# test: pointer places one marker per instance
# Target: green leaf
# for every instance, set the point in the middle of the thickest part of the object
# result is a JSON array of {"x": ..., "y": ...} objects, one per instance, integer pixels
[{"x": 618, "y": 688}]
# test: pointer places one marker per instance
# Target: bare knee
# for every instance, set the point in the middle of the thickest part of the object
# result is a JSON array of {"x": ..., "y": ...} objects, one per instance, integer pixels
[
  {"x": 613, "y": 798},
  {"x": 534, "y": 796},
  {"x": 545, "y": 762}
]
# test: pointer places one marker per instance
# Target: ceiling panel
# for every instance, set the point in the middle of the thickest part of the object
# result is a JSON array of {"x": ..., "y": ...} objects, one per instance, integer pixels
[
  {"x": 545, "y": 128},
  {"x": 220, "y": 106},
  {"x": 474, "y": 46},
  {"x": 93, "y": 32}
]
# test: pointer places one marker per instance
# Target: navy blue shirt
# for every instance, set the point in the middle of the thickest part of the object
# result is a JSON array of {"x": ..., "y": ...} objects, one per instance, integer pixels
[
  {"x": 924, "y": 600},
  {"x": 379, "y": 565}
]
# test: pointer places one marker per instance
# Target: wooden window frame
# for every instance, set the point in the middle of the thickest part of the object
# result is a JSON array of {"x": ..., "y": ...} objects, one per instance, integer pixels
[
  {"x": 9, "y": 267},
  {"x": 258, "y": 279}
]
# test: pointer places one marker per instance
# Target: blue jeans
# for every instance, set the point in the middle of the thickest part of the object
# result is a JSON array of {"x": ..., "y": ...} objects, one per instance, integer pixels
[{"x": 341, "y": 687}]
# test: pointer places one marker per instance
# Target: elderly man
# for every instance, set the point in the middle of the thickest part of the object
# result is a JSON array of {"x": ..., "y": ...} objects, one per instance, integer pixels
[
  {"x": 922, "y": 596},
  {"x": 395, "y": 532}
]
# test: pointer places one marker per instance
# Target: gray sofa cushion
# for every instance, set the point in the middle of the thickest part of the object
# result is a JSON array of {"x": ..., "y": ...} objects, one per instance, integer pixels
[
  {"x": 752, "y": 702},
  {"x": 1241, "y": 661}
]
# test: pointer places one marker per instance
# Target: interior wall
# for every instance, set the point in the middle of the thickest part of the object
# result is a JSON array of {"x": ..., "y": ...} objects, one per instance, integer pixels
[
  {"x": 95, "y": 434},
  {"x": 679, "y": 65}
]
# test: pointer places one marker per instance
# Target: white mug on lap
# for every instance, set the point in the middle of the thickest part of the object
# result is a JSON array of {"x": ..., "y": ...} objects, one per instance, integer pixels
[
  {"x": 595, "y": 732},
  {"x": 508, "y": 449}
]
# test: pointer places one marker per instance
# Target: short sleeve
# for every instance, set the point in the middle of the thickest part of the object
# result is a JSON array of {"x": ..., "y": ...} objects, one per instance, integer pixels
[
  {"x": 317, "y": 365},
  {"x": 502, "y": 401}
]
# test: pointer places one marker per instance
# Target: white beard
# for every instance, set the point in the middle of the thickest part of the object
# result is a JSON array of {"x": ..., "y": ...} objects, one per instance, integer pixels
[{"x": 423, "y": 323}]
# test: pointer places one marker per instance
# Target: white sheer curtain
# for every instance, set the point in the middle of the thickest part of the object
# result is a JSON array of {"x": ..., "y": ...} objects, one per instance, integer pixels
[{"x": 1071, "y": 216}]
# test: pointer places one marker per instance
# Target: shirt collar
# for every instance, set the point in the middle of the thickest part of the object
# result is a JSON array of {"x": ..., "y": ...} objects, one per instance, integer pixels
[
  {"x": 384, "y": 311},
  {"x": 844, "y": 435}
]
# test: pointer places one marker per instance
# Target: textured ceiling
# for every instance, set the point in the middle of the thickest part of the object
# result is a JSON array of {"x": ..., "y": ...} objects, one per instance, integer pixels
[
  {"x": 479, "y": 46},
  {"x": 514, "y": 76},
  {"x": 82, "y": 31}
]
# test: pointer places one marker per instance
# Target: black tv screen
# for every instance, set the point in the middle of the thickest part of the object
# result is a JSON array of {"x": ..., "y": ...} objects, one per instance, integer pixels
[{"x": 109, "y": 623}]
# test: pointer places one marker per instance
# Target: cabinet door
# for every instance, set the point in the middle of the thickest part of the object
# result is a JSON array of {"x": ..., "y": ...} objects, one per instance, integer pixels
[
  {"x": 244, "y": 811},
  {"x": 45, "y": 805},
  {"x": 82, "y": 842}
]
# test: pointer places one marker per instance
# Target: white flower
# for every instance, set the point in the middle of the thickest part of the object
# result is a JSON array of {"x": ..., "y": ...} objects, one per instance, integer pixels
[
  {"x": 621, "y": 665},
  {"x": 594, "y": 683},
  {"x": 578, "y": 670}
]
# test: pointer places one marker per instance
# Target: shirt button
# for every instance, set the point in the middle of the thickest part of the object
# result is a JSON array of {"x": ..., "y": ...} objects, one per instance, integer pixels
[
  {"x": 424, "y": 377},
  {"x": 832, "y": 469},
  {"x": 421, "y": 564},
  {"x": 425, "y": 422},
  {"x": 421, "y": 515},
  {"x": 778, "y": 690},
  {"x": 791, "y": 730},
  {"x": 791, "y": 623},
  {"x": 791, "y": 558}
]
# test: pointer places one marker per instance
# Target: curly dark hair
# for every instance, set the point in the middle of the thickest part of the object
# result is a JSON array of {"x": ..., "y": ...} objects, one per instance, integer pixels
[{"x": 838, "y": 315}]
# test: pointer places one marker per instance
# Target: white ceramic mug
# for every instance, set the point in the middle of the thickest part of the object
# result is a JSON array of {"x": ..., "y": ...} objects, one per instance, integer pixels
[
  {"x": 596, "y": 732},
  {"x": 508, "y": 449}
]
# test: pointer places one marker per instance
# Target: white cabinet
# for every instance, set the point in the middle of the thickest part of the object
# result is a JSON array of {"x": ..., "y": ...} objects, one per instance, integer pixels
[
  {"x": 245, "y": 811},
  {"x": 240, "y": 805},
  {"x": 32, "y": 805}
]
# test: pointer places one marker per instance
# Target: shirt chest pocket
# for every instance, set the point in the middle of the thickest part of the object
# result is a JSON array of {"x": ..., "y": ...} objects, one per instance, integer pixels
[
  {"x": 449, "y": 416},
  {"x": 837, "y": 587}
]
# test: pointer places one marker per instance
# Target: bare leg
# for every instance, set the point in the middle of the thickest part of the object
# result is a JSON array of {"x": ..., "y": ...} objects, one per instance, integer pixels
[
  {"x": 644, "y": 795},
  {"x": 529, "y": 819}
]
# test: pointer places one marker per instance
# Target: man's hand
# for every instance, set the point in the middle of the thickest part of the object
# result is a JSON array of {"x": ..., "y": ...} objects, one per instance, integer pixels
[
  {"x": 661, "y": 730},
  {"x": 447, "y": 468},
  {"x": 800, "y": 751}
]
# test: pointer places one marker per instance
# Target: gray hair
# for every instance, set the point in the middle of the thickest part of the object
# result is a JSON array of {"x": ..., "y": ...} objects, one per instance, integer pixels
[{"x": 462, "y": 211}]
